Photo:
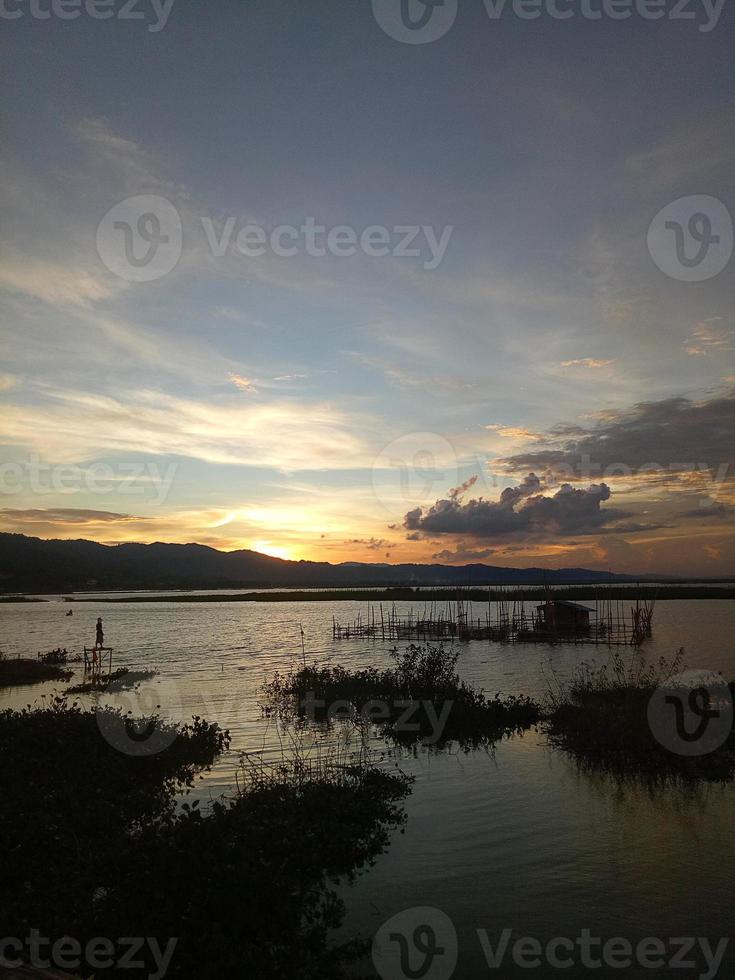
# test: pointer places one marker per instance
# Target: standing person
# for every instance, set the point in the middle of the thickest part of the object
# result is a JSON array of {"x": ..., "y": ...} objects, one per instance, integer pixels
[{"x": 100, "y": 641}]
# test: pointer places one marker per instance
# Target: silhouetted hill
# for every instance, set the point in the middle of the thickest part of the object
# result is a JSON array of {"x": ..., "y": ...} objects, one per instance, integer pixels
[{"x": 34, "y": 565}]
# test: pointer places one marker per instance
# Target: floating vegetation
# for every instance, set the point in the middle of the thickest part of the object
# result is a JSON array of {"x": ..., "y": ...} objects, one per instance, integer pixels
[
  {"x": 419, "y": 700},
  {"x": 57, "y": 657},
  {"x": 606, "y": 719},
  {"x": 15, "y": 672}
]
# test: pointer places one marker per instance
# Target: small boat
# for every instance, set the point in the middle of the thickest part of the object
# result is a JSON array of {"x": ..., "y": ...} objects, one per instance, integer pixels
[{"x": 70, "y": 613}]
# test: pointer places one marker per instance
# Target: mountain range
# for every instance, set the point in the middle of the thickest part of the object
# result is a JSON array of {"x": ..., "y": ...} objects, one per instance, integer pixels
[{"x": 34, "y": 565}]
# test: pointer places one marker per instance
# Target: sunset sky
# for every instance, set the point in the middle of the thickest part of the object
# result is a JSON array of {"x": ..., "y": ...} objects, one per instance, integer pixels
[{"x": 369, "y": 407}]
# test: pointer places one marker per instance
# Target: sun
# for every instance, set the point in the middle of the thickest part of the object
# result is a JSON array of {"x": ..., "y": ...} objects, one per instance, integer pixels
[{"x": 272, "y": 550}]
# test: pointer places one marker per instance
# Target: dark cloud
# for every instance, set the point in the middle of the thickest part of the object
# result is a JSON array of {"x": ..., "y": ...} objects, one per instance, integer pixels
[
  {"x": 463, "y": 488},
  {"x": 676, "y": 434},
  {"x": 463, "y": 553},
  {"x": 372, "y": 544},
  {"x": 520, "y": 510}
]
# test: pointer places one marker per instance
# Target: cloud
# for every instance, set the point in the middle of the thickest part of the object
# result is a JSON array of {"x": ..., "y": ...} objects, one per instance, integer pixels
[
  {"x": 410, "y": 378},
  {"x": 515, "y": 432},
  {"x": 122, "y": 158},
  {"x": 707, "y": 509},
  {"x": 673, "y": 161},
  {"x": 75, "y": 425},
  {"x": 586, "y": 362},
  {"x": 675, "y": 434},
  {"x": 244, "y": 384},
  {"x": 372, "y": 544},
  {"x": 112, "y": 527},
  {"x": 464, "y": 554},
  {"x": 463, "y": 488},
  {"x": 520, "y": 510},
  {"x": 707, "y": 338},
  {"x": 63, "y": 515},
  {"x": 56, "y": 283}
]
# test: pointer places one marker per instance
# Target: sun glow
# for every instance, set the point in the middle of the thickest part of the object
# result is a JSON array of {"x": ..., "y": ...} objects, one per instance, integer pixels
[{"x": 273, "y": 550}]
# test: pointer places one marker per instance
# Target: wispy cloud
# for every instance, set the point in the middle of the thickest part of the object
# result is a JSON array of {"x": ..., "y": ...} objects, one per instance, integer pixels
[
  {"x": 709, "y": 337},
  {"x": 587, "y": 362},
  {"x": 244, "y": 384},
  {"x": 689, "y": 152},
  {"x": 517, "y": 433},
  {"x": 288, "y": 436},
  {"x": 56, "y": 283}
]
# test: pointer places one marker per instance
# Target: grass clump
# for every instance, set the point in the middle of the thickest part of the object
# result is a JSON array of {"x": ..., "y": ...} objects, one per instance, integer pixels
[
  {"x": 16, "y": 672},
  {"x": 421, "y": 699},
  {"x": 615, "y": 717}
]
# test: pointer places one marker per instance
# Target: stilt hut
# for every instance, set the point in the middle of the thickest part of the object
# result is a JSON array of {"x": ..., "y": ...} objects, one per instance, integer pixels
[{"x": 562, "y": 616}]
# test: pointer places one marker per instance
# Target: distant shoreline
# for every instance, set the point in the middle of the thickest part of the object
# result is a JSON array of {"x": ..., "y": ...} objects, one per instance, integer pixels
[{"x": 473, "y": 594}]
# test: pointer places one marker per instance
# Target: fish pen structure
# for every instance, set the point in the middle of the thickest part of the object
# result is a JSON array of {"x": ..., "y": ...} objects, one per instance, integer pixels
[{"x": 509, "y": 620}]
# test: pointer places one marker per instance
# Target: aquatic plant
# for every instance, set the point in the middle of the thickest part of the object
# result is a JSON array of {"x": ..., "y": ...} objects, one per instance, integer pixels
[
  {"x": 15, "y": 672},
  {"x": 421, "y": 699},
  {"x": 601, "y": 718}
]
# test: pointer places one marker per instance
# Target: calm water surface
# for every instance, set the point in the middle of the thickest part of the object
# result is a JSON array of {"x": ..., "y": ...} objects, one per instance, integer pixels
[{"x": 518, "y": 839}]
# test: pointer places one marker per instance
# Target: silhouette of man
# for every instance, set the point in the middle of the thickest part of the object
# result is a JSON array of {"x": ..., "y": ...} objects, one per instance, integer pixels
[{"x": 100, "y": 635}]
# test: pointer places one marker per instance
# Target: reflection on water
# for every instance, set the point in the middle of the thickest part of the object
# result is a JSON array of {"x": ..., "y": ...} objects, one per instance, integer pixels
[{"x": 518, "y": 839}]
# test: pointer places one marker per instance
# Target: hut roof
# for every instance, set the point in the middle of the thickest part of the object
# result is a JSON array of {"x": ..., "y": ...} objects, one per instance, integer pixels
[{"x": 567, "y": 604}]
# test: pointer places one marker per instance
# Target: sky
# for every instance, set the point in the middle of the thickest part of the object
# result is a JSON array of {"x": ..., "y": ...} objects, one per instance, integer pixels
[{"x": 344, "y": 282}]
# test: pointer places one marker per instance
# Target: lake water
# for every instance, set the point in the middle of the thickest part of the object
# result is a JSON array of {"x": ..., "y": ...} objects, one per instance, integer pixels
[{"x": 518, "y": 839}]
